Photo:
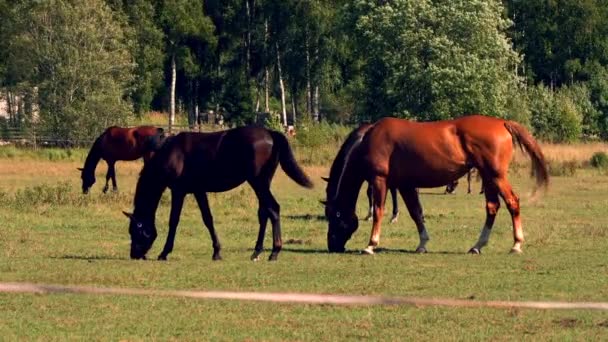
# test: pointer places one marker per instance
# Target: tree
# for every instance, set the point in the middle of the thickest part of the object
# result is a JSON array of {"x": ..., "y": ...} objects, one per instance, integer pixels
[
  {"x": 433, "y": 60},
  {"x": 187, "y": 31},
  {"x": 76, "y": 54}
]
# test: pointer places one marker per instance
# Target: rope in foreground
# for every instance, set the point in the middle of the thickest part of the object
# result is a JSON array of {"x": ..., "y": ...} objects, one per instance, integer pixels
[{"x": 301, "y": 298}]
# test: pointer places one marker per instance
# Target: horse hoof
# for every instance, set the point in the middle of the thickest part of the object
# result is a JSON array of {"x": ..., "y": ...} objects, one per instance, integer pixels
[
  {"x": 393, "y": 220},
  {"x": 162, "y": 257},
  {"x": 421, "y": 250},
  {"x": 255, "y": 256},
  {"x": 474, "y": 250},
  {"x": 515, "y": 251},
  {"x": 273, "y": 257},
  {"x": 216, "y": 257},
  {"x": 369, "y": 251}
]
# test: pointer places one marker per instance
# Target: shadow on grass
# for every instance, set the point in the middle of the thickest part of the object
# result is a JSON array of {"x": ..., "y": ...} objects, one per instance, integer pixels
[
  {"x": 355, "y": 251},
  {"x": 88, "y": 257},
  {"x": 306, "y": 217}
]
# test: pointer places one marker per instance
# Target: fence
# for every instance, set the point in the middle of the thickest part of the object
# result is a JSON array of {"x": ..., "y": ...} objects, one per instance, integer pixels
[{"x": 36, "y": 137}]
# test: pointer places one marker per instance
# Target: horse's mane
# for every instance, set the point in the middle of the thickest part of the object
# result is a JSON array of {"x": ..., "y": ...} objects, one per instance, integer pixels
[
  {"x": 352, "y": 140},
  {"x": 94, "y": 154},
  {"x": 152, "y": 177}
]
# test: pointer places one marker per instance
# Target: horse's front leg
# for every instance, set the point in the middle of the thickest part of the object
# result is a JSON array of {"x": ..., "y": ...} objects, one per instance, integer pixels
[
  {"x": 492, "y": 206},
  {"x": 203, "y": 204},
  {"x": 112, "y": 172},
  {"x": 109, "y": 173},
  {"x": 412, "y": 201},
  {"x": 379, "y": 196},
  {"x": 370, "y": 211},
  {"x": 177, "y": 202}
]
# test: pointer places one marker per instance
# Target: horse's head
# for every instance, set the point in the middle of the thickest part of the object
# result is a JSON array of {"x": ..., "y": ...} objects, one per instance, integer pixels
[
  {"x": 142, "y": 234},
  {"x": 88, "y": 179},
  {"x": 342, "y": 225}
]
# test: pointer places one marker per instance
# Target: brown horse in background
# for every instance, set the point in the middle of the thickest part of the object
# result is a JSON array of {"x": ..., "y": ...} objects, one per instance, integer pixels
[
  {"x": 407, "y": 155},
  {"x": 118, "y": 143},
  {"x": 198, "y": 163},
  {"x": 451, "y": 187}
]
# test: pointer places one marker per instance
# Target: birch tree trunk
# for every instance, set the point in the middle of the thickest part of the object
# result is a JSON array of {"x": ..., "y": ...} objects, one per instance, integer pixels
[
  {"x": 308, "y": 86},
  {"x": 293, "y": 107},
  {"x": 266, "y": 71},
  {"x": 281, "y": 86},
  {"x": 316, "y": 114},
  {"x": 173, "y": 81}
]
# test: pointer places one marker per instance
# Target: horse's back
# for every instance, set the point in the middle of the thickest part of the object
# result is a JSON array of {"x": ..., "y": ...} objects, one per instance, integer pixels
[
  {"x": 218, "y": 161},
  {"x": 429, "y": 154}
]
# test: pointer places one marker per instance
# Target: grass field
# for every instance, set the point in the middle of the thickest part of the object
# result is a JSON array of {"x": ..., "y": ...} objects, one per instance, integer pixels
[{"x": 49, "y": 233}]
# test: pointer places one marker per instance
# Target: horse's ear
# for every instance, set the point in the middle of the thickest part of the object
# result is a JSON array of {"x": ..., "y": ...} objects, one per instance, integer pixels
[
  {"x": 323, "y": 202},
  {"x": 80, "y": 169},
  {"x": 325, "y": 179},
  {"x": 129, "y": 215}
]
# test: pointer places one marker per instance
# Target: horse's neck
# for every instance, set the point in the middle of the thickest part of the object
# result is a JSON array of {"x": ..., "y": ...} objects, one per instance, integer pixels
[
  {"x": 93, "y": 158},
  {"x": 347, "y": 191},
  {"x": 149, "y": 189}
]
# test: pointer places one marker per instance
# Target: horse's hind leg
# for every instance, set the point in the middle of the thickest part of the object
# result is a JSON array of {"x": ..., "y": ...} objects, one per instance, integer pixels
[
  {"x": 395, "y": 205},
  {"x": 379, "y": 197},
  {"x": 492, "y": 206},
  {"x": 269, "y": 209},
  {"x": 203, "y": 204},
  {"x": 412, "y": 201},
  {"x": 370, "y": 211},
  {"x": 512, "y": 202}
]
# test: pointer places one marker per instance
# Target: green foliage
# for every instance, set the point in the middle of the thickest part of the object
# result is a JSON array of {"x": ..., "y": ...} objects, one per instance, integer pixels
[
  {"x": 554, "y": 115},
  {"x": 80, "y": 62},
  {"x": 599, "y": 160},
  {"x": 434, "y": 60}
]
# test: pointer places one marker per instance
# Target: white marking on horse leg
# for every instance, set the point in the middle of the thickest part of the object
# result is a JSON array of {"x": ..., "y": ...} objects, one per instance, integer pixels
[{"x": 369, "y": 250}]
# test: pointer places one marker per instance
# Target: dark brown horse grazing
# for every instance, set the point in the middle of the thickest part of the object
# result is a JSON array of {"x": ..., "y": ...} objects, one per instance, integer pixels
[
  {"x": 407, "y": 155},
  {"x": 197, "y": 163},
  {"x": 117, "y": 143},
  {"x": 338, "y": 165}
]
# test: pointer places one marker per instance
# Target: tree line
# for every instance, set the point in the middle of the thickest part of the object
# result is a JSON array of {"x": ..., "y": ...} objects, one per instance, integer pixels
[{"x": 84, "y": 65}]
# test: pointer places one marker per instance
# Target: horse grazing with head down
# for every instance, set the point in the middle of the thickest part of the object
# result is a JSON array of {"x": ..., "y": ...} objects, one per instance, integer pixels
[
  {"x": 407, "y": 155},
  {"x": 198, "y": 163},
  {"x": 338, "y": 166},
  {"x": 118, "y": 143}
]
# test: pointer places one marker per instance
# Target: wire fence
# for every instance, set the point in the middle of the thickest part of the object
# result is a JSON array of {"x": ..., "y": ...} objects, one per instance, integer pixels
[{"x": 36, "y": 137}]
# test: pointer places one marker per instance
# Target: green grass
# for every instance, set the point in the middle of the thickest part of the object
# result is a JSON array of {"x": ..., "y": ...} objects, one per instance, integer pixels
[{"x": 49, "y": 233}]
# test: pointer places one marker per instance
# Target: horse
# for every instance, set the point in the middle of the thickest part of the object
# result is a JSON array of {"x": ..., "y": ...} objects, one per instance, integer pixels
[
  {"x": 451, "y": 187},
  {"x": 198, "y": 163},
  {"x": 118, "y": 143},
  {"x": 337, "y": 167},
  {"x": 407, "y": 155}
]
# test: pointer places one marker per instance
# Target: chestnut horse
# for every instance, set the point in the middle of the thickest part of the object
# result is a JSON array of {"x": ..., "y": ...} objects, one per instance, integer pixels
[
  {"x": 407, "y": 155},
  {"x": 197, "y": 163},
  {"x": 338, "y": 164},
  {"x": 117, "y": 143}
]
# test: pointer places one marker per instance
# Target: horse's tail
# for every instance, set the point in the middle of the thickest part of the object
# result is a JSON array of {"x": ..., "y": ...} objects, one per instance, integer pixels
[
  {"x": 527, "y": 143},
  {"x": 288, "y": 161}
]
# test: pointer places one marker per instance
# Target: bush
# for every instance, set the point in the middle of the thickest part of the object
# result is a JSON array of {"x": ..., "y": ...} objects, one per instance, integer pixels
[
  {"x": 599, "y": 160},
  {"x": 555, "y": 115}
]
